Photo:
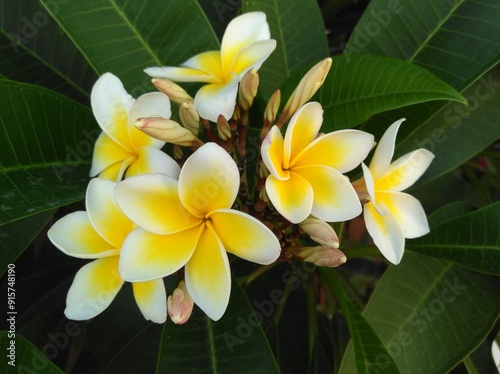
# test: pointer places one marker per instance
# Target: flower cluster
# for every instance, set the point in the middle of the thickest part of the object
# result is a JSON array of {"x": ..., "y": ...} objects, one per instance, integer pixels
[{"x": 149, "y": 215}]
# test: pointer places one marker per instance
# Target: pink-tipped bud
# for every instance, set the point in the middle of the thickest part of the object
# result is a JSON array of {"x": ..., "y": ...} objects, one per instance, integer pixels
[
  {"x": 180, "y": 305},
  {"x": 189, "y": 117},
  {"x": 167, "y": 131},
  {"x": 248, "y": 89},
  {"x": 223, "y": 128},
  {"x": 322, "y": 256},
  {"x": 174, "y": 92},
  {"x": 321, "y": 232}
]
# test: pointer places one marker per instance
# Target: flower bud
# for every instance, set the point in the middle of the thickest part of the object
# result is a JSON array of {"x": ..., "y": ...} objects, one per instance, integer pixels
[
  {"x": 223, "y": 128},
  {"x": 189, "y": 117},
  {"x": 180, "y": 305},
  {"x": 306, "y": 88},
  {"x": 272, "y": 107},
  {"x": 167, "y": 130},
  {"x": 321, "y": 232},
  {"x": 248, "y": 89},
  {"x": 322, "y": 256},
  {"x": 177, "y": 152},
  {"x": 174, "y": 92}
]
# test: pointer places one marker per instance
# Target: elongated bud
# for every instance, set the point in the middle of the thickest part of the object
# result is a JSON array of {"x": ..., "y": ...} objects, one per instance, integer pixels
[
  {"x": 273, "y": 105},
  {"x": 321, "y": 232},
  {"x": 223, "y": 128},
  {"x": 177, "y": 152},
  {"x": 189, "y": 117},
  {"x": 248, "y": 89},
  {"x": 167, "y": 130},
  {"x": 180, "y": 305},
  {"x": 306, "y": 88},
  {"x": 174, "y": 92},
  {"x": 322, "y": 256}
]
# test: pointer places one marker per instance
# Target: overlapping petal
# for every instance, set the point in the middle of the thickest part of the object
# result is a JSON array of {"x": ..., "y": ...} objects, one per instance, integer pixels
[
  {"x": 385, "y": 150},
  {"x": 207, "y": 186},
  {"x": 151, "y": 299},
  {"x": 104, "y": 213},
  {"x": 386, "y": 233},
  {"x": 151, "y": 160},
  {"x": 272, "y": 154},
  {"x": 146, "y": 256},
  {"x": 245, "y": 236},
  {"x": 334, "y": 197},
  {"x": 107, "y": 154},
  {"x": 252, "y": 57},
  {"x": 181, "y": 74},
  {"x": 209, "y": 63},
  {"x": 208, "y": 278},
  {"x": 74, "y": 235},
  {"x": 152, "y": 202},
  {"x": 292, "y": 198},
  {"x": 405, "y": 171},
  {"x": 213, "y": 100},
  {"x": 94, "y": 288}
]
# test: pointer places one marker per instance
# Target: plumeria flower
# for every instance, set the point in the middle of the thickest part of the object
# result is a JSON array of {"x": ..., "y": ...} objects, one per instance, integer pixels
[
  {"x": 190, "y": 223},
  {"x": 98, "y": 233},
  {"x": 306, "y": 170},
  {"x": 121, "y": 147},
  {"x": 390, "y": 215},
  {"x": 245, "y": 45}
]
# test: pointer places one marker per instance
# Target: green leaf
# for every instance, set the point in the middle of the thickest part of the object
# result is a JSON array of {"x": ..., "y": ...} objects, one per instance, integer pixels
[
  {"x": 298, "y": 28},
  {"x": 235, "y": 343},
  {"x": 455, "y": 40},
  {"x": 370, "y": 354},
  {"x": 124, "y": 37},
  {"x": 16, "y": 236},
  {"x": 424, "y": 306},
  {"x": 470, "y": 240},
  {"x": 33, "y": 50},
  {"x": 456, "y": 126},
  {"x": 27, "y": 357},
  {"x": 360, "y": 86},
  {"x": 448, "y": 212},
  {"x": 47, "y": 143}
]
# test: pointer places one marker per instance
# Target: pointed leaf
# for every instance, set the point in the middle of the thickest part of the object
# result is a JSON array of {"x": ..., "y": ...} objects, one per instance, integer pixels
[
  {"x": 47, "y": 143},
  {"x": 124, "y": 37},
  {"x": 424, "y": 306},
  {"x": 471, "y": 240},
  {"x": 298, "y": 28},
  {"x": 33, "y": 50},
  {"x": 236, "y": 341}
]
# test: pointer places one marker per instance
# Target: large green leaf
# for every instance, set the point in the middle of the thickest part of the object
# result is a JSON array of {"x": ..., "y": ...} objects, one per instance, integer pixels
[
  {"x": 235, "y": 343},
  {"x": 298, "y": 28},
  {"x": 360, "y": 86},
  {"x": 27, "y": 358},
  {"x": 469, "y": 129},
  {"x": 33, "y": 50},
  {"x": 455, "y": 40},
  {"x": 424, "y": 307},
  {"x": 16, "y": 236},
  {"x": 471, "y": 240},
  {"x": 370, "y": 354},
  {"x": 124, "y": 37},
  {"x": 47, "y": 142}
]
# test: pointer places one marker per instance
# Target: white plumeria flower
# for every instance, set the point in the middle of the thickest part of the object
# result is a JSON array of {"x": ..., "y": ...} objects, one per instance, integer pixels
[
  {"x": 98, "y": 234},
  {"x": 121, "y": 147},
  {"x": 306, "y": 170},
  {"x": 390, "y": 215},
  {"x": 190, "y": 222},
  {"x": 245, "y": 45}
]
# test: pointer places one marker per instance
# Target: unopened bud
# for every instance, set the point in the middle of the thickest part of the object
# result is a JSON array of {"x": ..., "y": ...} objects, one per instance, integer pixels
[
  {"x": 248, "y": 89},
  {"x": 263, "y": 171},
  {"x": 322, "y": 256},
  {"x": 180, "y": 305},
  {"x": 167, "y": 131},
  {"x": 177, "y": 152},
  {"x": 306, "y": 88},
  {"x": 174, "y": 92},
  {"x": 223, "y": 128},
  {"x": 273, "y": 105},
  {"x": 190, "y": 117},
  {"x": 321, "y": 232}
]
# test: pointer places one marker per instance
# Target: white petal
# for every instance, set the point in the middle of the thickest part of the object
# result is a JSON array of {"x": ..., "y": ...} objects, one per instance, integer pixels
[
  {"x": 385, "y": 150},
  {"x": 94, "y": 288},
  {"x": 183, "y": 74},
  {"x": 212, "y": 100},
  {"x": 408, "y": 213},
  {"x": 272, "y": 154},
  {"x": 252, "y": 57},
  {"x": 151, "y": 161},
  {"x": 151, "y": 299},
  {"x": 208, "y": 180},
  {"x": 386, "y": 233},
  {"x": 370, "y": 187}
]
